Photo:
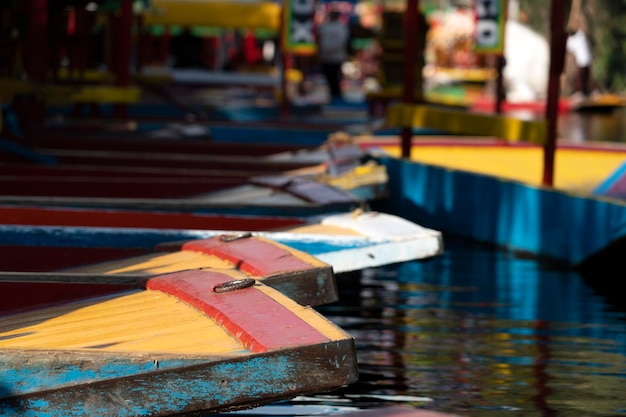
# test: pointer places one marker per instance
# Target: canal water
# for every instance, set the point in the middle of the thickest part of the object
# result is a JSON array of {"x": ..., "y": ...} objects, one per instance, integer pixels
[
  {"x": 479, "y": 333},
  {"x": 482, "y": 333}
]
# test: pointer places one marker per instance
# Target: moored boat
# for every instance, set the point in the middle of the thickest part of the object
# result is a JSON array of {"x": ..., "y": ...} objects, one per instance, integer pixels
[
  {"x": 346, "y": 241},
  {"x": 190, "y": 342},
  {"x": 299, "y": 275},
  {"x": 335, "y": 177}
]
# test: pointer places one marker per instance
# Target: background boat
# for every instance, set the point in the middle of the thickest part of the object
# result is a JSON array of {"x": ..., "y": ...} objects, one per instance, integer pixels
[
  {"x": 491, "y": 191},
  {"x": 140, "y": 173}
]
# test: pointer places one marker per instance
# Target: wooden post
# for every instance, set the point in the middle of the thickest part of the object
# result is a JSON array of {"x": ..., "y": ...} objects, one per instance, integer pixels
[
  {"x": 557, "y": 60},
  {"x": 500, "y": 91},
  {"x": 410, "y": 54}
]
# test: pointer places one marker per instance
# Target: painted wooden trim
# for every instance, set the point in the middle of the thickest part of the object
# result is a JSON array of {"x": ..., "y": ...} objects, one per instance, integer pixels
[
  {"x": 344, "y": 252},
  {"x": 260, "y": 331},
  {"x": 68, "y": 216},
  {"x": 463, "y": 122},
  {"x": 162, "y": 386},
  {"x": 254, "y": 255},
  {"x": 541, "y": 221}
]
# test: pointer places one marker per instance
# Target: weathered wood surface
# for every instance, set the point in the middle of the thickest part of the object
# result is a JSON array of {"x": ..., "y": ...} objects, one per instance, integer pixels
[
  {"x": 162, "y": 362},
  {"x": 295, "y": 273}
]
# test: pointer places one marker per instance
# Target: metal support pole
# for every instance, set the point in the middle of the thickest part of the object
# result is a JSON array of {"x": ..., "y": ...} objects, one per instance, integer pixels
[
  {"x": 557, "y": 61},
  {"x": 410, "y": 55}
]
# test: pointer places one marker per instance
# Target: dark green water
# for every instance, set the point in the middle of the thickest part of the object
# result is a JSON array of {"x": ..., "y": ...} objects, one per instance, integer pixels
[{"x": 479, "y": 333}]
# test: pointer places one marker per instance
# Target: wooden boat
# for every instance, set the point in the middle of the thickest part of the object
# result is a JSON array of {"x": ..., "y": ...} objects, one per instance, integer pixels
[
  {"x": 347, "y": 241},
  {"x": 302, "y": 277},
  {"x": 118, "y": 174},
  {"x": 508, "y": 179},
  {"x": 185, "y": 343},
  {"x": 597, "y": 103}
]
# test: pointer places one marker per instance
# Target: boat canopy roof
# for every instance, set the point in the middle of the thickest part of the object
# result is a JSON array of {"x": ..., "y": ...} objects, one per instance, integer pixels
[{"x": 217, "y": 13}]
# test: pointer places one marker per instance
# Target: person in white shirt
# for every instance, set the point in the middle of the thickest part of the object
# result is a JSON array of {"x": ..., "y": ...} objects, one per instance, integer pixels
[
  {"x": 578, "y": 46},
  {"x": 332, "y": 42}
]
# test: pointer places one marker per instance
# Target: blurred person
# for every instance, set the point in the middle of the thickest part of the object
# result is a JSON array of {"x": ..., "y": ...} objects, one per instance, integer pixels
[
  {"x": 333, "y": 43},
  {"x": 578, "y": 46}
]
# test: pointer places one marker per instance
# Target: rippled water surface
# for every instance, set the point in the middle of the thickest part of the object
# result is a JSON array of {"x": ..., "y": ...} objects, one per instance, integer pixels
[{"x": 480, "y": 333}]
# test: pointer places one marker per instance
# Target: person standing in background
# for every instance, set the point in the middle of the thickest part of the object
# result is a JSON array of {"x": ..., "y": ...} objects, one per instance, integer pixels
[
  {"x": 578, "y": 46},
  {"x": 332, "y": 41}
]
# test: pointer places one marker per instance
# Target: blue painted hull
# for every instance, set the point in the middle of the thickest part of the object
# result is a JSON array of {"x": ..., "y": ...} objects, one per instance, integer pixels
[
  {"x": 105, "y": 385},
  {"x": 538, "y": 221}
]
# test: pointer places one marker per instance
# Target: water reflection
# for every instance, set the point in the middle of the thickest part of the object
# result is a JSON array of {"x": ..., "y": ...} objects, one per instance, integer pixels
[
  {"x": 580, "y": 127},
  {"x": 478, "y": 332}
]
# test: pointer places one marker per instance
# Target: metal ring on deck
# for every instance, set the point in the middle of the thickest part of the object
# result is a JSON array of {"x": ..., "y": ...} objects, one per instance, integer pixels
[
  {"x": 237, "y": 284},
  {"x": 235, "y": 236}
]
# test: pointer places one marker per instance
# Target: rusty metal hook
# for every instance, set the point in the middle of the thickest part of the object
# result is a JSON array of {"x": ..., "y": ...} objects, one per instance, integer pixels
[
  {"x": 235, "y": 236},
  {"x": 237, "y": 284}
]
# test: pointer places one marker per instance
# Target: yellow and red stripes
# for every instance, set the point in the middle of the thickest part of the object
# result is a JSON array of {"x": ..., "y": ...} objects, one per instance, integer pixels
[
  {"x": 177, "y": 313},
  {"x": 270, "y": 326},
  {"x": 254, "y": 255}
]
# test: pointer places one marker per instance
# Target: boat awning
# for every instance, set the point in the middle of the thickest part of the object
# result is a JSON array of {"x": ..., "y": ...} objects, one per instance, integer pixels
[{"x": 231, "y": 14}]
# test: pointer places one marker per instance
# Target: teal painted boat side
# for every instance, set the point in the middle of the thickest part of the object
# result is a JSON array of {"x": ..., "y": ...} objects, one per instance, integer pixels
[
  {"x": 536, "y": 220},
  {"x": 34, "y": 372},
  {"x": 219, "y": 386}
]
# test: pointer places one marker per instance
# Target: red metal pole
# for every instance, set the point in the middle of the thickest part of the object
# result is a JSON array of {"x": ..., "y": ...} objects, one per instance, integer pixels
[
  {"x": 557, "y": 61},
  {"x": 410, "y": 55}
]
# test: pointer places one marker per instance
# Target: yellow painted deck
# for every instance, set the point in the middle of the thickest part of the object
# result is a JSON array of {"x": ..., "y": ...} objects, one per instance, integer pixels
[
  {"x": 160, "y": 263},
  {"x": 166, "y": 262},
  {"x": 140, "y": 321},
  {"x": 576, "y": 170}
]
